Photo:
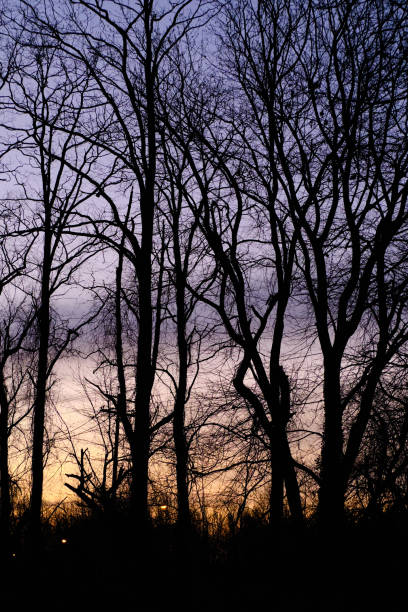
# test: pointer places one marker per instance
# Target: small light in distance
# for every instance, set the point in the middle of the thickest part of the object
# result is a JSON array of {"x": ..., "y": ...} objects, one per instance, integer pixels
[
  {"x": 164, "y": 507},
  {"x": 13, "y": 554},
  {"x": 64, "y": 541}
]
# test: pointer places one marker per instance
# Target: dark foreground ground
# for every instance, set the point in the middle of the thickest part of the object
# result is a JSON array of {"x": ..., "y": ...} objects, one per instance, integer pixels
[{"x": 100, "y": 567}]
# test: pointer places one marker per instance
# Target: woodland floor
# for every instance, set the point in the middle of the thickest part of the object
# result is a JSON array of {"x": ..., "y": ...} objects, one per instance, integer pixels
[{"x": 96, "y": 569}]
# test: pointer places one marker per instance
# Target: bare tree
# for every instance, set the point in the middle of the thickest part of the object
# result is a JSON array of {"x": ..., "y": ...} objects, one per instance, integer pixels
[
  {"x": 308, "y": 148},
  {"x": 263, "y": 186},
  {"x": 242, "y": 213},
  {"x": 13, "y": 263},
  {"x": 16, "y": 363},
  {"x": 38, "y": 98},
  {"x": 125, "y": 51},
  {"x": 346, "y": 120},
  {"x": 185, "y": 250}
]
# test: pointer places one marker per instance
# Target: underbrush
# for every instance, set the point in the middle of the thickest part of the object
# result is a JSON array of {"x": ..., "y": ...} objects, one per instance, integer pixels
[{"x": 87, "y": 561}]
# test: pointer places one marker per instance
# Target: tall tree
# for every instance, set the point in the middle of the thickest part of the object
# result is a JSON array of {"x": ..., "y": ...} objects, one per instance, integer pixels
[
  {"x": 344, "y": 110},
  {"x": 242, "y": 213},
  {"x": 38, "y": 96},
  {"x": 16, "y": 364},
  {"x": 185, "y": 250},
  {"x": 319, "y": 105},
  {"x": 125, "y": 48}
]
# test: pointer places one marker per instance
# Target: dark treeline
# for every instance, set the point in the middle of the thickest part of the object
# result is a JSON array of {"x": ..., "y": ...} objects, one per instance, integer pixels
[{"x": 204, "y": 203}]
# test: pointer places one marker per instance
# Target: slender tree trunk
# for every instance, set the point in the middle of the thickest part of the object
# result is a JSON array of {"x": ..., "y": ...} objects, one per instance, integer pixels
[
  {"x": 292, "y": 486},
  {"x": 115, "y": 457},
  {"x": 181, "y": 449},
  {"x": 121, "y": 402},
  {"x": 144, "y": 383},
  {"x": 5, "y": 497},
  {"x": 145, "y": 367},
  {"x": 37, "y": 465},
  {"x": 184, "y": 516}
]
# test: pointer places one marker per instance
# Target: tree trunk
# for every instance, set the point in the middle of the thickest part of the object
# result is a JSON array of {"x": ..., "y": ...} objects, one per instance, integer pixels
[
  {"x": 37, "y": 465},
  {"x": 144, "y": 382},
  {"x": 5, "y": 498},
  {"x": 184, "y": 515},
  {"x": 277, "y": 473},
  {"x": 292, "y": 486},
  {"x": 145, "y": 367},
  {"x": 331, "y": 493}
]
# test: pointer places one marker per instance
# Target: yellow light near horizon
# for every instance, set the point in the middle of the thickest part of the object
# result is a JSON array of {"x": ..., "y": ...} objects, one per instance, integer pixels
[
  {"x": 64, "y": 541},
  {"x": 163, "y": 507}
]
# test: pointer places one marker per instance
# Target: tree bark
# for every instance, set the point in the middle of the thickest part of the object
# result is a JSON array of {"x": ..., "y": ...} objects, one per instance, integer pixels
[
  {"x": 331, "y": 493},
  {"x": 5, "y": 497},
  {"x": 37, "y": 463}
]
